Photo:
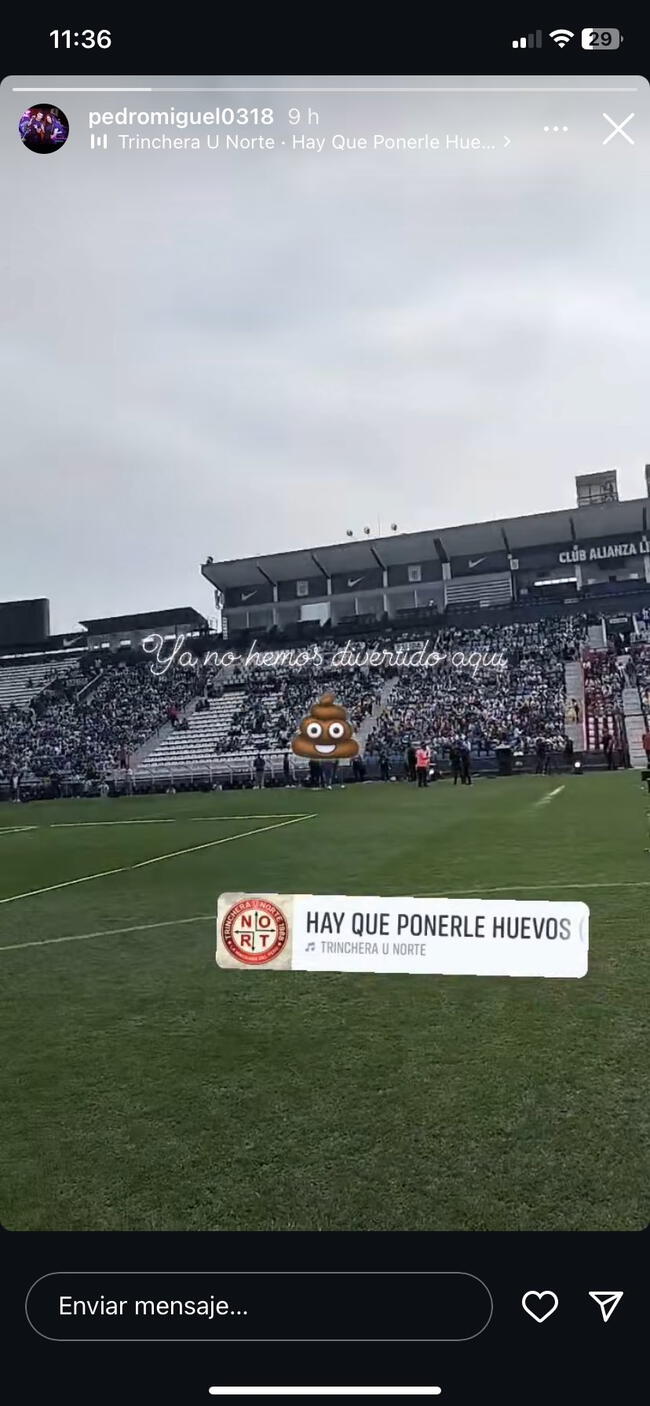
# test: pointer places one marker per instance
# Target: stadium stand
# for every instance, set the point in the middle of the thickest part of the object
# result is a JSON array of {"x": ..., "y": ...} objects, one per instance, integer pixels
[
  {"x": 85, "y": 728},
  {"x": 178, "y": 750},
  {"x": 520, "y": 592},
  {"x": 259, "y": 712},
  {"x": 642, "y": 665},
  {"x": 19, "y": 683},
  {"x": 603, "y": 699},
  {"x": 514, "y": 701},
  {"x": 115, "y": 719},
  {"x": 260, "y": 709}
]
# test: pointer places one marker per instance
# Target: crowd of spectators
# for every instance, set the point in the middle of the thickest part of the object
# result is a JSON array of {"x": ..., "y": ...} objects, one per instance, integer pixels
[
  {"x": 604, "y": 680},
  {"x": 275, "y": 701},
  {"x": 90, "y": 722},
  {"x": 641, "y": 665},
  {"x": 515, "y": 696},
  {"x": 87, "y": 726}
]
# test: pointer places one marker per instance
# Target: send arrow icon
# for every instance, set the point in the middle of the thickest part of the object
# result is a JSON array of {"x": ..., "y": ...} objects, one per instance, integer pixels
[{"x": 607, "y": 1300}]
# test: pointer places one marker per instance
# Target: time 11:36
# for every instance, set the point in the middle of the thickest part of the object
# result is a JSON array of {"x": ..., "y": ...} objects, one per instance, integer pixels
[{"x": 84, "y": 38}]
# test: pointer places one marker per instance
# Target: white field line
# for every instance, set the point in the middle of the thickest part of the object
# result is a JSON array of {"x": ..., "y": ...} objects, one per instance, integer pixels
[
  {"x": 159, "y": 859},
  {"x": 548, "y": 797},
  {"x": 211, "y": 917},
  {"x": 172, "y": 820},
  {"x": 532, "y": 888},
  {"x": 110, "y": 932}
]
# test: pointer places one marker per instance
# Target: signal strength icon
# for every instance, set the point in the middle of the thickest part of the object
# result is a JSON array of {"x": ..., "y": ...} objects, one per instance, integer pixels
[
  {"x": 561, "y": 37},
  {"x": 530, "y": 41}
]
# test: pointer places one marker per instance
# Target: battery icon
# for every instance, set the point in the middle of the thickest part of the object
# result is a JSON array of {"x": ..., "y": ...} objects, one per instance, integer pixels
[{"x": 601, "y": 39}]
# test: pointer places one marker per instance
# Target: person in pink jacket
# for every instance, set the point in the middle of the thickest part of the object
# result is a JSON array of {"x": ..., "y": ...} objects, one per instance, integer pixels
[{"x": 422, "y": 764}]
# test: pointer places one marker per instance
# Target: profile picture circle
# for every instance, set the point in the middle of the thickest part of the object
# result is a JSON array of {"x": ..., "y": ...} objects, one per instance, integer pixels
[{"x": 43, "y": 128}]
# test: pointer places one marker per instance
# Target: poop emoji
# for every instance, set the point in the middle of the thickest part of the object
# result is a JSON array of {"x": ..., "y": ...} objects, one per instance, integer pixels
[{"x": 326, "y": 734}]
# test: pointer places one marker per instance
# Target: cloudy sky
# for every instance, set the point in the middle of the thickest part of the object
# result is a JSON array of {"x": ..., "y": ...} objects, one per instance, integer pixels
[{"x": 229, "y": 353}]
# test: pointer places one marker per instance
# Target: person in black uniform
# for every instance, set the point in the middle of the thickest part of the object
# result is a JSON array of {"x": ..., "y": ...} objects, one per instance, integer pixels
[
  {"x": 465, "y": 763},
  {"x": 454, "y": 758},
  {"x": 540, "y": 753},
  {"x": 608, "y": 749},
  {"x": 410, "y": 762}
]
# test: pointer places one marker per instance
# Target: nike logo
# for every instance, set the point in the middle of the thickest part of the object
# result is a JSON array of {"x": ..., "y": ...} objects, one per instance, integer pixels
[
  {"x": 475, "y": 563},
  {"x": 76, "y": 639},
  {"x": 354, "y": 580},
  {"x": 248, "y": 595}
]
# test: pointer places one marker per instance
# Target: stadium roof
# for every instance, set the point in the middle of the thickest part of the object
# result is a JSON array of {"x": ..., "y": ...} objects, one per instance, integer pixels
[
  {"x": 111, "y": 624},
  {"x": 536, "y": 530}
]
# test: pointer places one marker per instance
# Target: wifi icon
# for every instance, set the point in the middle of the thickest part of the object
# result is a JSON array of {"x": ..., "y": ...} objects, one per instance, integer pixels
[{"x": 561, "y": 37}]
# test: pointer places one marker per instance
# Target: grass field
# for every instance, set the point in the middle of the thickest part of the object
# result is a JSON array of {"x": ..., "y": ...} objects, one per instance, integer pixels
[{"x": 144, "y": 1088}]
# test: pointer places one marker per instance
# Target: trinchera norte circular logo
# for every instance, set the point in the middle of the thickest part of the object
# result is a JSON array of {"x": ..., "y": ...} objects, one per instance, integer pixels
[{"x": 254, "y": 930}]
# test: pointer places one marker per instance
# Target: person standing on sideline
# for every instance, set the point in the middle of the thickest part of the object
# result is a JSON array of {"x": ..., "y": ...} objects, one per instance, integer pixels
[
  {"x": 384, "y": 766},
  {"x": 286, "y": 770},
  {"x": 328, "y": 772},
  {"x": 411, "y": 761},
  {"x": 465, "y": 763},
  {"x": 608, "y": 748},
  {"x": 454, "y": 758},
  {"x": 358, "y": 769},
  {"x": 422, "y": 762},
  {"x": 540, "y": 753},
  {"x": 258, "y": 767},
  {"x": 645, "y": 742}
]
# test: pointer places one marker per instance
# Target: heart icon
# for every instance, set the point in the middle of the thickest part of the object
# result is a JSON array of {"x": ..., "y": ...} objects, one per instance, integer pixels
[{"x": 540, "y": 1304}]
